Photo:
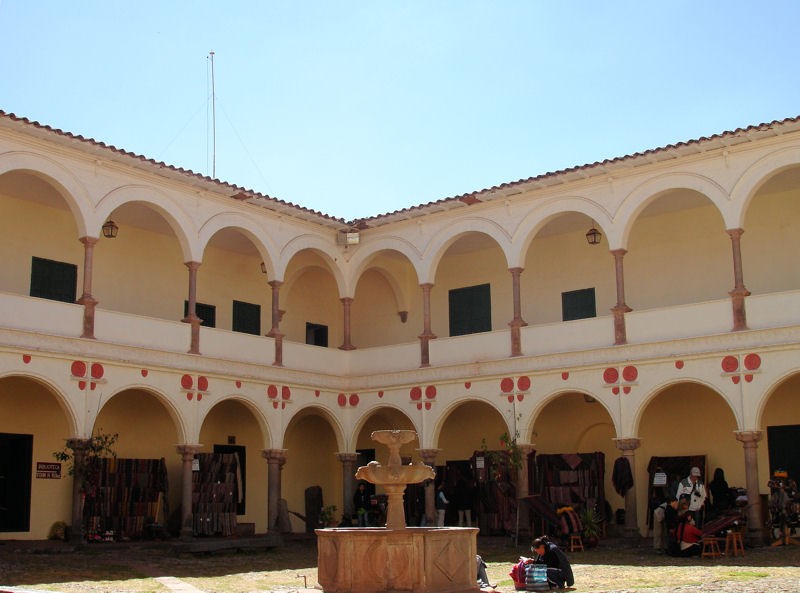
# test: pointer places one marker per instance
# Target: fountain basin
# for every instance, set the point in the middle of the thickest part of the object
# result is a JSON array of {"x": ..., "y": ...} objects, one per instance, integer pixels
[{"x": 414, "y": 559}]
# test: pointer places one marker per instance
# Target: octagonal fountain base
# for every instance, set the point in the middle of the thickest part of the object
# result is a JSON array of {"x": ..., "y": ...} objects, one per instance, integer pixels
[{"x": 414, "y": 559}]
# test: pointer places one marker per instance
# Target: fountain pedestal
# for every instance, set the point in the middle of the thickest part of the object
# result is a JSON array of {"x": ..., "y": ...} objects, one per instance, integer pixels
[
  {"x": 415, "y": 559},
  {"x": 396, "y": 558}
]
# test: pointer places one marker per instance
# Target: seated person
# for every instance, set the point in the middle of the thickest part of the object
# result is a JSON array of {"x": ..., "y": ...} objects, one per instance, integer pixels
[
  {"x": 688, "y": 536},
  {"x": 559, "y": 570},
  {"x": 483, "y": 578}
]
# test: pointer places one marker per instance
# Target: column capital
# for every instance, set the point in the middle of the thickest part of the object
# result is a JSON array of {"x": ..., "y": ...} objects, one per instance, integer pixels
[
  {"x": 192, "y": 265},
  {"x": 274, "y": 455},
  {"x": 429, "y": 455},
  {"x": 526, "y": 448},
  {"x": 426, "y": 285},
  {"x": 735, "y": 233},
  {"x": 628, "y": 444},
  {"x": 89, "y": 241},
  {"x": 748, "y": 436},
  {"x": 516, "y": 271},
  {"x": 275, "y": 283},
  {"x": 188, "y": 450},
  {"x": 346, "y": 456},
  {"x": 618, "y": 252},
  {"x": 78, "y": 443}
]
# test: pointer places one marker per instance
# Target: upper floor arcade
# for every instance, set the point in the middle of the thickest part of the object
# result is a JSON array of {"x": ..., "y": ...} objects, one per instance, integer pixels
[{"x": 693, "y": 240}]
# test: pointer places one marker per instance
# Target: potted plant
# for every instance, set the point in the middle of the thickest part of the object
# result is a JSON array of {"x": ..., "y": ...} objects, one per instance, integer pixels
[
  {"x": 592, "y": 525},
  {"x": 327, "y": 516}
]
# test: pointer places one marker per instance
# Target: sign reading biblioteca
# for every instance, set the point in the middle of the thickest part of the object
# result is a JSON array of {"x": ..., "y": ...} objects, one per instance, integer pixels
[{"x": 48, "y": 470}]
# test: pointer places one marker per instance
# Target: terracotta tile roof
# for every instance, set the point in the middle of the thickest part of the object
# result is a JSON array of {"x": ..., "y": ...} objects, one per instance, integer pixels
[
  {"x": 604, "y": 167},
  {"x": 216, "y": 185}
]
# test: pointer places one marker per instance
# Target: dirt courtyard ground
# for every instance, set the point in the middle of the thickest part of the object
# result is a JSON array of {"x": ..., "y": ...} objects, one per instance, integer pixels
[{"x": 614, "y": 566}]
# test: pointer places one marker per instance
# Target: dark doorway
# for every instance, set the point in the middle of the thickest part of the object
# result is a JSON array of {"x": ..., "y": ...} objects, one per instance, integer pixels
[
  {"x": 16, "y": 457},
  {"x": 784, "y": 449}
]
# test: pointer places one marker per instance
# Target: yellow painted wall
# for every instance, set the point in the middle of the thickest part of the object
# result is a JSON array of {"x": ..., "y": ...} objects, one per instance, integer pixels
[
  {"x": 146, "y": 431},
  {"x": 568, "y": 424},
  {"x": 466, "y": 429},
  {"x": 312, "y": 298},
  {"x": 483, "y": 266},
  {"x": 231, "y": 418},
  {"x": 27, "y": 407},
  {"x": 33, "y": 229},
  {"x": 772, "y": 225},
  {"x": 374, "y": 314},
  {"x": 677, "y": 258},
  {"x": 311, "y": 461},
  {"x": 561, "y": 263}
]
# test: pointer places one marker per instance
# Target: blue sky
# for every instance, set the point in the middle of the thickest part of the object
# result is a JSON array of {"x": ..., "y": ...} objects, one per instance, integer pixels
[{"x": 361, "y": 108}]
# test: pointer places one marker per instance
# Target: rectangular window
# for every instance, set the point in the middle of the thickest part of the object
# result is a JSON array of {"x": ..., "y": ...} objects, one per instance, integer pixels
[
  {"x": 246, "y": 318},
  {"x": 316, "y": 334},
  {"x": 208, "y": 313},
  {"x": 470, "y": 310},
  {"x": 53, "y": 280},
  {"x": 578, "y": 304}
]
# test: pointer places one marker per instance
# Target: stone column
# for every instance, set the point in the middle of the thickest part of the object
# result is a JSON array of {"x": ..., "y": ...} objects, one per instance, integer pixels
[
  {"x": 78, "y": 447},
  {"x": 518, "y": 322},
  {"x": 628, "y": 446},
  {"x": 739, "y": 292},
  {"x": 274, "y": 331},
  {"x": 619, "y": 310},
  {"x": 427, "y": 335},
  {"x": 87, "y": 300},
  {"x": 191, "y": 314},
  {"x": 523, "y": 487},
  {"x": 348, "y": 481},
  {"x": 749, "y": 440},
  {"x": 275, "y": 460},
  {"x": 347, "y": 345},
  {"x": 428, "y": 457},
  {"x": 187, "y": 453}
]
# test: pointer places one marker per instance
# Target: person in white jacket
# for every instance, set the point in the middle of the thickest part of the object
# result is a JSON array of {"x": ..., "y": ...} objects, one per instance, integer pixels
[{"x": 693, "y": 487}]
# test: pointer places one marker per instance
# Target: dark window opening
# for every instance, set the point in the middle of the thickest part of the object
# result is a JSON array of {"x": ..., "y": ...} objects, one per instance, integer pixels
[
  {"x": 241, "y": 457},
  {"x": 207, "y": 313},
  {"x": 316, "y": 334},
  {"x": 16, "y": 458},
  {"x": 246, "y": 318},
  {"x": 53, "y": 280},
  {"x": 578, "y": 304},
  {"x": 470, "y": 310}
]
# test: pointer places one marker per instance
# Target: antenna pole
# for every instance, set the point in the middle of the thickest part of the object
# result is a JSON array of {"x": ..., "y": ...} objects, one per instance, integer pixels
[{"x": 213, "y": 121}]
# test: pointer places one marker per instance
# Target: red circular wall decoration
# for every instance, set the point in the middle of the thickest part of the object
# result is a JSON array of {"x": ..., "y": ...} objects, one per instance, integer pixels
[
  {"x": 748, "y": 378},
  {"x": 78, "y": 369},
  {"x": 630, "y": 373},
  {"x": 145, "y": 372},
  {"x": 752, "y": 362},
  {"x": 97, "y": 370},
  {"x": 467, "y": 384},
  {"x": 286, "y": 393},
  {"x": 190, "y": 396},
  {"x": 342, "y": 399},
  {"x": 427, "y": 405},
  {"x": 202, "y": 383},
  {"x": 316, "y": 393},
  {"x": 187, "y": 382},
  {"x": 524, "y": 383},
  {"x": 81, "y": 385},
  {"x": 26, "y": 358},
  {"x": 615, "y": 390},
  {"x": 380, "y": 394},
  {"x": 272, "y": 392},
  {"x": 430, "y": 391},
  {"x": 354, "y": 399},
  {"x": 736, "y": 379},
  {"x": 564, "y": 376},
  {"x": 238, "y": 384},
  {"x": 510, "y": 398},
  {"x": 507, "y": 385},
  {"x": 416, "y": 393},
  {"x": 679, "y": 364},
  {"x": 730, "y": 364},
  {"x": 611, "y": 375},
  {"x": 199, "y": 396}
]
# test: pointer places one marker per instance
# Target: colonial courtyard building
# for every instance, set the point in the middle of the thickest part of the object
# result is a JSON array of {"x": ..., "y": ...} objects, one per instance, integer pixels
[{"x": 643, "y": 307}]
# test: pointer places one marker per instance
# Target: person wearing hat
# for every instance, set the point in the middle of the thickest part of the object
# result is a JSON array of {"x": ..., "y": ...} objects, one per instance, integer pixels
[{"x": 693, "y": 488}]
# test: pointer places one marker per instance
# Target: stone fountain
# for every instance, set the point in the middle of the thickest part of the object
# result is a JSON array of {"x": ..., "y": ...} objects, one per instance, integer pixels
[{"x": 396, "y": 558}]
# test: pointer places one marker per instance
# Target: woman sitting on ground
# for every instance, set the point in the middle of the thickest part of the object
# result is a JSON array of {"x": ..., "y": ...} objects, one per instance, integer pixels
[{"x": 688, "y": 536}]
